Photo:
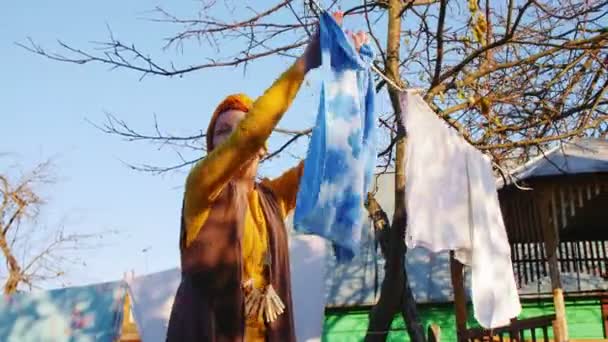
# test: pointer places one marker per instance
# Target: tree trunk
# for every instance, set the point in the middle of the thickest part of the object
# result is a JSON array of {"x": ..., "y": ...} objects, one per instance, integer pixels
[
  {"x": 409, "y": 311},
  {"x": 14, "y": 276},
  {"x": 395, "y": 284},
  {"x": 10, "y": 286},
  {"x": 383, "y": 312},
  {"x": 392, "y": 290}
]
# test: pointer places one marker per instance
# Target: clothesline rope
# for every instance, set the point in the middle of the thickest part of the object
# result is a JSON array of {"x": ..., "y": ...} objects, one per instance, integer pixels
[{"x": 387, "y": 79}]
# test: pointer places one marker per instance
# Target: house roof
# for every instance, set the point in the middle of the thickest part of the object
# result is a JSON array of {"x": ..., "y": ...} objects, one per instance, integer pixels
[{"x": 587, "y": 155}]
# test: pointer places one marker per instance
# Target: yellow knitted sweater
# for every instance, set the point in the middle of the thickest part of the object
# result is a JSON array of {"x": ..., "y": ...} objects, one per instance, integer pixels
[{"x": 209, "y": 176}]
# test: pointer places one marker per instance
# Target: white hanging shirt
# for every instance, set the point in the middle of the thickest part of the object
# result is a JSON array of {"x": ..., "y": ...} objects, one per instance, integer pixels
[{"x": 452, "y": 204}]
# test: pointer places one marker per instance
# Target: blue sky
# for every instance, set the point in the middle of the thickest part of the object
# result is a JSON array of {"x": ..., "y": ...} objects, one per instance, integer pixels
[{"x": 44, "y": 104}]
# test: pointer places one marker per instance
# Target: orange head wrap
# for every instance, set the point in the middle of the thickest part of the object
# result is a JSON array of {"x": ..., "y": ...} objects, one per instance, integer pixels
[{"x": 240, "y": 102}]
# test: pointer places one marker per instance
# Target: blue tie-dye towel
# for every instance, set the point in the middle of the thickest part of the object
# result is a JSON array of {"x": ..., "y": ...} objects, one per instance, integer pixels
[
  {"x": 341, "y": 156},
  {"x": 78, "y": 314}
]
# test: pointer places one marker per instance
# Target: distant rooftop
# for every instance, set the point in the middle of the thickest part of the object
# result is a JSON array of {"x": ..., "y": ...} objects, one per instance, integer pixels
[{"x": 579, "y": 156}]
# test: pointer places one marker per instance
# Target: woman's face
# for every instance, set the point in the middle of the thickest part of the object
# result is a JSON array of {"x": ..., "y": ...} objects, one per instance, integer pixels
[{"x": 225, "y": 125}]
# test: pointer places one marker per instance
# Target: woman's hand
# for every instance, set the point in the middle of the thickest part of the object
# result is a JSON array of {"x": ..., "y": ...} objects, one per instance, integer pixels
[
  {"x": 359, "y": 39},
  {"x": 338, "y": 17},
  {"x": 312, "y": 55}
]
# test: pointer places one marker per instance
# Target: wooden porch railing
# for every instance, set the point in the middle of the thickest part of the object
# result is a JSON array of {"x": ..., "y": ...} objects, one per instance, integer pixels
[{"x": 519, "y": 330}]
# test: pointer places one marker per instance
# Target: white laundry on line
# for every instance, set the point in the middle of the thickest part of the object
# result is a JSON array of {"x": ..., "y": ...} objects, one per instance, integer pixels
[
  {"x": 152, "y": 298},
  {"x": 152, "y": 295},
  {"x": 308, "y": 259},
  {"x": 452, "y": 204}
]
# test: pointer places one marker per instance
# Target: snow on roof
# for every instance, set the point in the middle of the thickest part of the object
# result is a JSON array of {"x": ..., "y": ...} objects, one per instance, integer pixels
[{"x": 586, "y": 155}]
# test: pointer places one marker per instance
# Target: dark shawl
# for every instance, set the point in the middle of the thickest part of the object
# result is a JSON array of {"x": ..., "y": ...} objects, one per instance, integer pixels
[{"x": 209, "y": 304}]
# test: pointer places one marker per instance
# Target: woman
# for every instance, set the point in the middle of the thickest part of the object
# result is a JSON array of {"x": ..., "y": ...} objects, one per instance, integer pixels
[{"x": 234, "y": 255}]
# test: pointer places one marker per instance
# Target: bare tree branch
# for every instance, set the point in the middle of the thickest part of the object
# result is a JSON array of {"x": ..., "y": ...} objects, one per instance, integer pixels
[{"x": 31, "y": 262}]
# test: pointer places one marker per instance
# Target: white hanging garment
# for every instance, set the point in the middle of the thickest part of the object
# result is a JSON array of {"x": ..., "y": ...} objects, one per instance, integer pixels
[
  {"x": 308, "y": 257},
  {"x": 152, "y": 298},
  {"x": 152, "y": 295},
  {"x": 452, "y": 204}
]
